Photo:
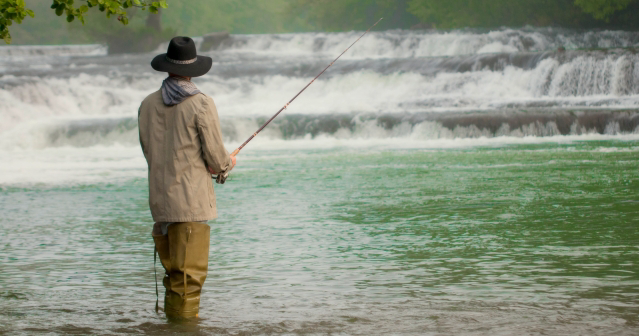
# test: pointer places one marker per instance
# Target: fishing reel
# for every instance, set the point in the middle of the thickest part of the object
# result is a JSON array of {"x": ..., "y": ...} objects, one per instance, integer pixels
[{"x": 221, "y": 178}]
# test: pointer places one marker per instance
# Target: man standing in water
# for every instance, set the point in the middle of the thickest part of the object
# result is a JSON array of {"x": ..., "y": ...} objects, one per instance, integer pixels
[{"x": 182, "y": 142}]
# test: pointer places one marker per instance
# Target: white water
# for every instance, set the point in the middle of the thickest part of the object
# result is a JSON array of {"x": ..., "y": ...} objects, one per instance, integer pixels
[
  {"x": 404, "y": 44},
  {"x": 20, "y": 52},
  {"x": 118, "y": 163},
  {"x": 68, "y": 101}
]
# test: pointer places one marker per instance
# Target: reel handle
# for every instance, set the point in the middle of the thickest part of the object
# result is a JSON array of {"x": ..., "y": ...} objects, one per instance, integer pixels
[{"x": 221, "y": 178}]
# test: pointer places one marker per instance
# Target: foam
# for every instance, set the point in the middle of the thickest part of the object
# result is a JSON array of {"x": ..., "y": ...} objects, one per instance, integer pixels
[
  {"x": 406, "y": 44},
  {"x": 591, "y": 80},
  {"x": 20, "y": 52},
  {"x": 328, "y": 142},
  {"x": 96, "y": 104},
  {"x": 387, "y": 44},
  {"x": 71, "y": 165},
  {"x": 117, "y": 163}
]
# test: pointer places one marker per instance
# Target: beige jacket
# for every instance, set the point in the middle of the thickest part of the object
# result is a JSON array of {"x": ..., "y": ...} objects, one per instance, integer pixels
[{"x": 179, "y": 142}]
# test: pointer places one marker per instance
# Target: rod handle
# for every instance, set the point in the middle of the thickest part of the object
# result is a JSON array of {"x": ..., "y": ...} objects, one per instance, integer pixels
[{"x": 235, "y": 152}]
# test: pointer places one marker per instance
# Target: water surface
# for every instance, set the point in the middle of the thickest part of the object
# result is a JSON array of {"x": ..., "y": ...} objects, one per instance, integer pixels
[{"x": 506, "y": 239}]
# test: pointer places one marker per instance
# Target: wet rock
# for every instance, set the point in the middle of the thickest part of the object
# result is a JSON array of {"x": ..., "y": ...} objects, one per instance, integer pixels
[{"x": 213, "y": 41}]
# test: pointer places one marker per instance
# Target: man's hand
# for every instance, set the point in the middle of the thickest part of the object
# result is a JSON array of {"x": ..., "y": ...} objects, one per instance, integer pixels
[{"x": 233, "y": 162}]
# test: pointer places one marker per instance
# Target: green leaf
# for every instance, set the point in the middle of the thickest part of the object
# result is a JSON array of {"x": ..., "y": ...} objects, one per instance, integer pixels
[
  {"x": 20, "y": 3},
  {"x": 54, "y": 5},
  {"x": 84, "y": 9},
  {"x": 70, "y": 18},
  {"x": 163, "y": 4},
  {"x": 7, "y": 39},
  {"x": 125, "y": 20},
  {"x": 155, "y": 4},
  {"x": 11, "y": 10},
  {"x": 30, "y": 13},
  {"x": 153, "y": 9},
  {"x": 59, "y": 11}
]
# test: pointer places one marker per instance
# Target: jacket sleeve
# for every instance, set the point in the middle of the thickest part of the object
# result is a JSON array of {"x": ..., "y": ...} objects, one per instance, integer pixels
[
  {"x": 208, "y": 126},
  {"x": 142, "y": 136}
]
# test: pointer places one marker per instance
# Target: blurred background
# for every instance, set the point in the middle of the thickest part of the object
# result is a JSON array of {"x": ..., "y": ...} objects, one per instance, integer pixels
[{"x": 200, "y": 17}]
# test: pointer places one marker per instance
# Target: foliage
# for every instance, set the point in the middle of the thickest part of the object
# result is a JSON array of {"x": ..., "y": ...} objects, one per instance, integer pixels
[
  {"x": 494, "y": 13},
  {"x": 339, "y": 15},
  {"x": 189, "y": 18},
  {"x": 143, "y": 33},
  {"x": 15, "y": 10},
  {"x": 602, "y": 9},
  {"x": 332, "y": 15},
  {"x": 10, "y": 11},
  {"x": 200, "y": 17}
]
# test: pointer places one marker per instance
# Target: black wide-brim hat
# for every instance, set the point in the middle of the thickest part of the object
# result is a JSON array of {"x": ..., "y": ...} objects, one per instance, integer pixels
[{"x": 182, "y": 59}]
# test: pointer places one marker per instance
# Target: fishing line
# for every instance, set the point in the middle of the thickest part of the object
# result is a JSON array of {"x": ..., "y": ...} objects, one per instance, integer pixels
[{"x": 221, "y": 178}]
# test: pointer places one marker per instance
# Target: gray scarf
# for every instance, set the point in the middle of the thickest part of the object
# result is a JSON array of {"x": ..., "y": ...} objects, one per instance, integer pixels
[{"x": 176, "y": 89}]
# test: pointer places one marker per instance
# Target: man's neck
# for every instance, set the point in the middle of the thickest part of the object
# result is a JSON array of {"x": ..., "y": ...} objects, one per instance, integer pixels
[{"x": 181, "y": 77}]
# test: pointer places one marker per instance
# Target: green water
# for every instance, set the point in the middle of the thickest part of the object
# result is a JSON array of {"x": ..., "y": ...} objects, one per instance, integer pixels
[{"x": 519, "y": 239}]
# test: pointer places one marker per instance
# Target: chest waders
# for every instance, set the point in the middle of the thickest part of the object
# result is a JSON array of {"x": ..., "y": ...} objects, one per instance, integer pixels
[{"x": 184, "y": 254}]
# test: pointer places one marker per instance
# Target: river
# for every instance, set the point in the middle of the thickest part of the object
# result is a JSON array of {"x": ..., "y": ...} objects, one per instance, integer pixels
[{"x": 432, "y": 182}]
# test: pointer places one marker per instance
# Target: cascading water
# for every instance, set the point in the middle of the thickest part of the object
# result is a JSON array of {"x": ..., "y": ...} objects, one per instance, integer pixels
[{"x": 395, "y": 84}]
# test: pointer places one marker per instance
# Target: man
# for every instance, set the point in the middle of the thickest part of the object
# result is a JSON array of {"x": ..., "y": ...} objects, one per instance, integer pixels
[{"x": 182, "y": 142}]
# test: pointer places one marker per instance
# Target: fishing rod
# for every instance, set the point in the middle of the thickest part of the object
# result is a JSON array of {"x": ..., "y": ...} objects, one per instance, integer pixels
[{"x": 221, "y": 178}]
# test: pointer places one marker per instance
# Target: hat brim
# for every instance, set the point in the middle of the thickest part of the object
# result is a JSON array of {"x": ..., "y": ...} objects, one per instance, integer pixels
[{"x": 198, "y": 68}]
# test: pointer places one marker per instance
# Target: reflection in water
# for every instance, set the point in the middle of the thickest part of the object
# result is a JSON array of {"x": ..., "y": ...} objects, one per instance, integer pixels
[{"x": 540, "y": 238}]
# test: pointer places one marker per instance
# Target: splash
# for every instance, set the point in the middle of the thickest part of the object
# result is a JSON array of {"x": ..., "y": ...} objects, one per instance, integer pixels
[{"x": 420, "y": 85}]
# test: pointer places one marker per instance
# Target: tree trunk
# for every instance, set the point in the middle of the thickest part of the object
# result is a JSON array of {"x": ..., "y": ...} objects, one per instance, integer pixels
[{"x": 154, "y": 21}]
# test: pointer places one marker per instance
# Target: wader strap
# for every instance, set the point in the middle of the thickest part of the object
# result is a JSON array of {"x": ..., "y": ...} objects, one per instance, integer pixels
[{"x": 155, "y": 275}]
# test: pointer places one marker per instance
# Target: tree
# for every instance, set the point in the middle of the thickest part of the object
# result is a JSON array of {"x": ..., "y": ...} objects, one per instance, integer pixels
[
  {"x": 16, "y": 11},
  {"x": 602, "y": 9},
  {"x": 143, "y": 33},
  {"x": 496, "y": 13},
  {"x": 341, "y": 15},
  {"x": 513, "y": 13}
]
